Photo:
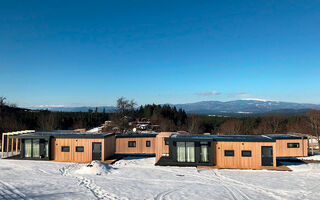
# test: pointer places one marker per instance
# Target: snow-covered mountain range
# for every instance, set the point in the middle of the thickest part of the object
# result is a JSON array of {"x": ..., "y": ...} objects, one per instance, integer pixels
[{"x": 239, "y": 107}]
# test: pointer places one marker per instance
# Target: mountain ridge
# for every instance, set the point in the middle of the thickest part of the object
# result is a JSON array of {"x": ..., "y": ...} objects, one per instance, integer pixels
[{"x": 241, "y": 107}]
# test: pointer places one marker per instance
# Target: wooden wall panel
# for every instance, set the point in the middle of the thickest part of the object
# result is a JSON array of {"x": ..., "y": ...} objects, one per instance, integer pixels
[
  {"x": 161, "y": 148},
  {"x": 79, "y": 157},
  {"x": 141, "y": 148},
  {"x": 283, "y": 151},
  {"x": 237, "y": 161}
]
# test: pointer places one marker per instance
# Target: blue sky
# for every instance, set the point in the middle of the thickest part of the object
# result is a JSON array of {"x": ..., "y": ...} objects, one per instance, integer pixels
[{"x": 76, "y": 53}]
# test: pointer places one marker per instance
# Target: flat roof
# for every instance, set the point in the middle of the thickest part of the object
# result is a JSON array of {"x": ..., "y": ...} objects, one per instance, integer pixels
[
  {"x": 136, "y": 135},
  {"x": 227, "y": 138},
  {"x": 285, "y": 136},
  {"x": 63, "y": 134}
]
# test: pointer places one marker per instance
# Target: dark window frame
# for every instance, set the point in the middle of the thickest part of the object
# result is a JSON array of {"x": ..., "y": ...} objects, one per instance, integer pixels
[
  {"x": 132, "y": 144},
  {"x": 246, "y": 151},
  {"x": 66, "y": 147},
  {"x": 293, "y": 145},
  {"x": 148, "y": 143},
  {"x": 226, "y": 153},
  {"x": 81, "y": 147},
  {"x": 185, "y": 146}
]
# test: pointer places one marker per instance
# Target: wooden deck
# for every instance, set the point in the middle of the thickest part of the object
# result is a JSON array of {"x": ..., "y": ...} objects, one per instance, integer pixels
[{"x": 278, "y": 168}]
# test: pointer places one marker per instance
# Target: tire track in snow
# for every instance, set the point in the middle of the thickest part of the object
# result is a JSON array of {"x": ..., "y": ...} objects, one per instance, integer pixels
[
  {"x": 8, "y": 191},
  {"x": 234, "y": 183},
  {"x": 162, "y": 195}
]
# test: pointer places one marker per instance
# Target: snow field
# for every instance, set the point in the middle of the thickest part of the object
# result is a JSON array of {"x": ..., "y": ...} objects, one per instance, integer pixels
[{"x": 138, "y": 178}]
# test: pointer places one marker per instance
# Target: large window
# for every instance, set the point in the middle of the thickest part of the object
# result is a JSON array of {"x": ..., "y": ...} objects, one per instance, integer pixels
[
  {"x": 185, "y": 152},
  {"x": 27, "y": 148},
  {"x": 229, "y": 153},
  {"x": 246, "y": 153},
  {"x": 47, "y": 148},
  {"x": 36, "y": 148},
  {"x": 293, "y": 145},
  {"x": 204, "y": 152},
  {"x": 131, "y": 143}
]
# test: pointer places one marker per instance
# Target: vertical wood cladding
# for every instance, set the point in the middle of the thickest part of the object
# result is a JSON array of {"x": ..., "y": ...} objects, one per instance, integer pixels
[
  {"x": 107, "y": 149},
  {"x": 161, "y": 148},
  {"x": 140, "y": 148},
  {"x": 238, "y": 161},
  {"x": 284, "y": 151}
]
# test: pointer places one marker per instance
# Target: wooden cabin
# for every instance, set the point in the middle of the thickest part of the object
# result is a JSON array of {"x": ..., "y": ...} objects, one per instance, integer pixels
[
  {"x": 136, "y": 144},
  {"x": 235, "y": 152},
  {"x": 66, "y": 146},
  {"x": 290, "y": 145}
]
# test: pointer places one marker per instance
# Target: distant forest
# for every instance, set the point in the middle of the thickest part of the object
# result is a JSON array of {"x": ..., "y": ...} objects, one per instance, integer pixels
[{"x": 169, "y": 119}]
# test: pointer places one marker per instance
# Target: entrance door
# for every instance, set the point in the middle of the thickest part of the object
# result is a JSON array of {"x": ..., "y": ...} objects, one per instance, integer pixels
[
  {"x": 96, "y": 151},
  {"x": 267, "y": 156}
]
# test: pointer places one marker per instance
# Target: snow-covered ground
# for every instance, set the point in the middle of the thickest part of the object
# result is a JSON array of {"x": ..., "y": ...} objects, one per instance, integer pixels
[
  {"x": 138, "y": 178},
  {"x": 315, "y": 157}
]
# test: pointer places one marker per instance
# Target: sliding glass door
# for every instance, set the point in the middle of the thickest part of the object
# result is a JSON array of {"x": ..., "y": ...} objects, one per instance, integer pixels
[
  {"x": 204, "y": 152},
  {"x": 36, "y": 148},
  {"x": 27, "y": 148},
  {"x": 185, "y": 152}
]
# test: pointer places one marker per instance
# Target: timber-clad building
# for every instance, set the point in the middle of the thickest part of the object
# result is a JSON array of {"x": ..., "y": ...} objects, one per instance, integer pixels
[{"x": 169, "y": 148}]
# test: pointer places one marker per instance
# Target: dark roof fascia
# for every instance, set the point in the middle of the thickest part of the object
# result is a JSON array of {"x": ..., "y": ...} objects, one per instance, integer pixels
[
  {"x": 99, "y": 136},
  {"x": 287, "y": 137},
  {"x": 27, "y": 136},
  {"x": 136, "y": 135},
  {"x": 220, "y": 138},
  {"x": 188, "y": 139}
]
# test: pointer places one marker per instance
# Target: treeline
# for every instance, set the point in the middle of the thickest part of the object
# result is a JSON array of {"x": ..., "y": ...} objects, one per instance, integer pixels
[
  {"x": 169, "y": 118},
  {"x": 13, "y": 119},
  {"x": 18, "y": 119}
]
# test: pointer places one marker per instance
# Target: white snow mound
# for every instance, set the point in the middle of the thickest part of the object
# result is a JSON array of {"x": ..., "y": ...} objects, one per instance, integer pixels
[{"x": 94, "y": 168}]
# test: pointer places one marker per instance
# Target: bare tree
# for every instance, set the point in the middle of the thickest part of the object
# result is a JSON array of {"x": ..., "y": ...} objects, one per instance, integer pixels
[
  {"x": 314, "y": 120},
  {"x": 270, "y": 124},
  {"x": 194, "y": 124},
  {"x": 2, "y": 101},
  {"x": 231, "y": 127},
  {"x": 124, "y": 108},
  {"x": 167, "y": 125}
]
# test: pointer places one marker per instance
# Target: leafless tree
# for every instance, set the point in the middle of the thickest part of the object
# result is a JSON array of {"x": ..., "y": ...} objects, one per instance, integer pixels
[
  {"x": 2, "y": 101},
  {"x": 124, "y": 108},
  {"x": 231, "y": 127},
  {"x": 194, "y": 124},
  {"x": 314, "y": 120},
  {"x": 270, "y": 125},
  {"x": 167, "y": 125}
]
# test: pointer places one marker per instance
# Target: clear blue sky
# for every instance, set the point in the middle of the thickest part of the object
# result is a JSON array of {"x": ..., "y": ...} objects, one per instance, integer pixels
[{"x": 90, "y": 53}]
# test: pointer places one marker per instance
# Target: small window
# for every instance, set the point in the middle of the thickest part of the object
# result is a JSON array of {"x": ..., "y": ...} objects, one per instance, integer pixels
[
  {"x": 228, "y": 152},
  {"x": 293, "y": 145},
  {"x": 79, "y": 149},
  {"x": 148, "y": 143},
  {"x": 246, "y": 153},
  {"x": 65, "y": 149},
  {"x": 132, "y": 144},
  {"x": 166, "y": 142}
]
